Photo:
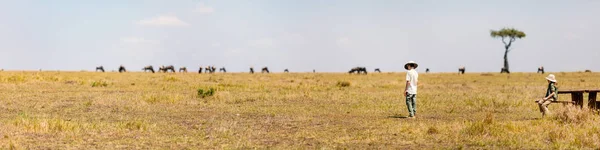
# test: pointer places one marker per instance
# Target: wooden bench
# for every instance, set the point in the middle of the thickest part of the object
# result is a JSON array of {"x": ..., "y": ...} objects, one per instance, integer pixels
[
  {"x": 561, "y": 102},
  {"x": 577, "y": 97}
]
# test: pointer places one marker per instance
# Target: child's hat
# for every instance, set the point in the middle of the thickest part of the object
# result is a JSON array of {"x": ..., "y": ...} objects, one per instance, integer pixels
[
  {"x": 551, "y": 77},
  {"x": 411, "y": 62}
]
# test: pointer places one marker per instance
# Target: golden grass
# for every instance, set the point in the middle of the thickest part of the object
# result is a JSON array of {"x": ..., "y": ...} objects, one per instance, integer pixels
[{"x": 83, "y": 110}]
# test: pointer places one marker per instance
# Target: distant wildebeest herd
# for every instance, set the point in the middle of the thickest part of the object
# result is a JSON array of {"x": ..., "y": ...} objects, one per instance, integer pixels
[{"x": 213, "y": 69}]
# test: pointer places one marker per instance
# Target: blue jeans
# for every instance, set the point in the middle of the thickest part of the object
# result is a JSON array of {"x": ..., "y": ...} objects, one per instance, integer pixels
[{"x": 411, "y": 104}]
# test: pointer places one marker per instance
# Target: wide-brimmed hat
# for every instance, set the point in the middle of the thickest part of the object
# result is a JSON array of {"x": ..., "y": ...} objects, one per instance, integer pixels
[
  {"x": 551, "y": 77},
  {"x": 411, "y": 62}
]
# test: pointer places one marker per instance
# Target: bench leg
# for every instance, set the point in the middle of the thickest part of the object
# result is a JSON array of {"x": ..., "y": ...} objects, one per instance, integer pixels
[
  {"x": 592, "y": 100},
  {"x": 578, "y": 99}
]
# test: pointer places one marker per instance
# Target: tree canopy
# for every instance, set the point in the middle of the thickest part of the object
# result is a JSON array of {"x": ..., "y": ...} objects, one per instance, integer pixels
[{"x": 508, "y": 33}]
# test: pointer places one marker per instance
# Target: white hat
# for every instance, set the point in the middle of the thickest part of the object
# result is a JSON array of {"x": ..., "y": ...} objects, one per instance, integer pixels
[
  {"x": 551, "y": 78},
  {"x": 411, "y": 62}
]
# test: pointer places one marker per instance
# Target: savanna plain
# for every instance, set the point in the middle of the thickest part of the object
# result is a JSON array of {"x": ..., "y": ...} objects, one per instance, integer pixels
[{"x": 89, "y": 110}]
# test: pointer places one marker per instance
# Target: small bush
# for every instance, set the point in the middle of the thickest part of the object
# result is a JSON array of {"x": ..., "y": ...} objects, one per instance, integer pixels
[
  {"x": 487, "y": 74},
  {"x": 433, "y": 130},
  {"x": 134, "y": 125},
  {"x": 343, "y": 84},
  {"x": 486, "y": 127},
  {"x": 99, "y": 84},
  {"x": 572, "y": 114},
  {"x": 171, "y": 79},
  {"x": 206, "y": 93},
  {"x": 16, "y": 79}
]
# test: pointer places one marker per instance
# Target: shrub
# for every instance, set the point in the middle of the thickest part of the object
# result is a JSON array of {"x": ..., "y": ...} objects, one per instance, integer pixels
[
  {"x": 99, "y": 84},
  {"x": 486, "y": 127},
  {"x": 343, "y": 84},
  {"x": 572, "y": 114},
  {"x": 16, "y": 79},
  {"x": 171, "y": 79},
  {"x": 433, "y": 130},
  {"x": 206, "y": 93}
]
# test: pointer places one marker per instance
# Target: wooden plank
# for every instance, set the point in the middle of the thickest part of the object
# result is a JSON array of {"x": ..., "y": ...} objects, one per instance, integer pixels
[
  {"x": 563, "y": 102},
  {"x": 590, "y": 91},
  {"x": 571, "y": 91}
]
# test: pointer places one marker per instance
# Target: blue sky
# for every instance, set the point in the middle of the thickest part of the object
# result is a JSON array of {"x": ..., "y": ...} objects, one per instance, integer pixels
[{"x": 331, "y": 36}]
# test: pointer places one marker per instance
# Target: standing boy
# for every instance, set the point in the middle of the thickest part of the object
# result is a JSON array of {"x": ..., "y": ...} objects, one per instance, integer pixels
[{"x": 410, "y": 91}]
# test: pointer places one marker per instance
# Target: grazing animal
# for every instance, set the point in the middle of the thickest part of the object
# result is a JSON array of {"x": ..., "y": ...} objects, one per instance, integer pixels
[
  {"x": 200, "y": 69},
  {"x": 461, "y": 70},
  {"x": 251, "y": 70},
  {"x": 222, "y": 69},
  {"x": 265, "y": 70},
  {"x": 207, "y": 69},
  {"x": 426, "y": 70},
  {"x": 167, "y": 69},
  {"x": 122, "y": 69},
  {"x": 286, "y": 71},
  {"x": 314, "y": 71},
  {"x": 182, "y": 69},
  {"x": 101, "y": 68},
  {"x": 210, "y": 69},
  {"x": 377, "y": 70},
  {"x": 541, "y": 69},
  {"x": 148, "y": 68},
  {"x": 588, "y": 71},
  {"x": 358, "y": 70}
]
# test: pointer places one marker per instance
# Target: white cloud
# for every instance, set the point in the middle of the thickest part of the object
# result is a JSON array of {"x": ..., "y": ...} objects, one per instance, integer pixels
[
  {"x": 137, "y": 40},
  {"x": 216, "y": 44},
  {"x": 262, "y": 43},
  {"x": 163, "y": 20},
  {"x": 204, "y": 9},
  {"x": 343, "y": 41},
  {"x": 572, "y": 36}
]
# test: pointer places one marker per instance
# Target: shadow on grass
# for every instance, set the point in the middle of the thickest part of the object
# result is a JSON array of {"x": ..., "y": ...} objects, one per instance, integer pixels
[{"x": 397, "y": 116}]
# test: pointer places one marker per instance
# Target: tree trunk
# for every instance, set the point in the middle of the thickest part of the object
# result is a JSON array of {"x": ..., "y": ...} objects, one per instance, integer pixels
[{"x": 506, "y": 60}]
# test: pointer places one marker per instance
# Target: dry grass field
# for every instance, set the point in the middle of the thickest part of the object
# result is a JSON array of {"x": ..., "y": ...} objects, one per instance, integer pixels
[{"x": 83, "y": 110}]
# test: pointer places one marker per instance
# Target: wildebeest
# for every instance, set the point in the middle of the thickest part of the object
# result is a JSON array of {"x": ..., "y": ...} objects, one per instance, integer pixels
[
  {"x": 182, "y": 69},
  {"x": 588, "y": 71},
  {"x": 210, "y": 69},
  {"x": 461, "y": 70},
  {"x": 166, "y": 68},
  {"x": 541, "y": 69},
  {"x": 251, "y": 70},
  {"x": 426, "y": 70},
  {"x": 148, "y": 68},
  {"x": 122, "y": 69},
  {"x": 222, "y": 69},
  {"x": 265, "y": 70},
  {"x": 207, "y": 69},
  {"x": 504, "y": 70},
  {"x": 358, "y": 70},
  {"x": 200, "y": 69},
  {"x": 314, "y": 71},
  {"x": 101, "y": 68},
  {"x": 286, "y": 71},
  {"x": 377, "y": 70}
]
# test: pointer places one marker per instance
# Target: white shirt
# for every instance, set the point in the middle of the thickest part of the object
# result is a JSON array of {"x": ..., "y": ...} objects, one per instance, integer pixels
[{"x": 412, "y": 77}]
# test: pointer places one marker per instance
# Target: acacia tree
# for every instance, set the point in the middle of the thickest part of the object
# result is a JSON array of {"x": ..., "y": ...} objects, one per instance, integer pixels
[{"x": 508, "y": 36}]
